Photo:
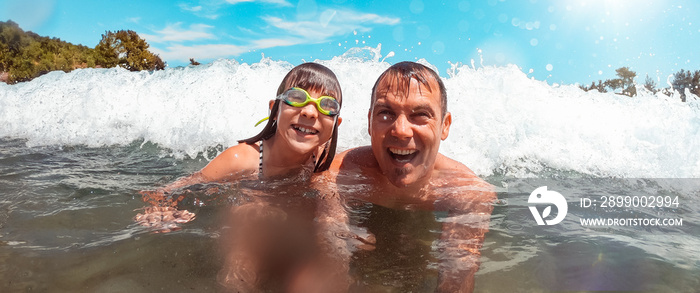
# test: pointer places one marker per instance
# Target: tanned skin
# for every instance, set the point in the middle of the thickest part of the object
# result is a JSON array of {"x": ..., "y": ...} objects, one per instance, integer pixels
[{"x": 402, "y": 169}]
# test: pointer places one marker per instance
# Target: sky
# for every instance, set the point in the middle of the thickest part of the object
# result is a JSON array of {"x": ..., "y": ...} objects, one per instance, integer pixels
[{"x": 558, "y": 41}]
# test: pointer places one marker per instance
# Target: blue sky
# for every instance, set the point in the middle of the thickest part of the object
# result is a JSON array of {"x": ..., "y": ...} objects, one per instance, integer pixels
[{"x": 560, "y": 41}]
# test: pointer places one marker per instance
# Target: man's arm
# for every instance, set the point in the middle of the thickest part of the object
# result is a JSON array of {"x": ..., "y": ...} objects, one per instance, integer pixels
[
  {"x": 462, "y": 237},
  {"x": 468, "y": 200}
]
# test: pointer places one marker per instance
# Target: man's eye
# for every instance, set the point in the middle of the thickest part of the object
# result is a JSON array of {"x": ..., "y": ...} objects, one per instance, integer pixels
[
  {"x": 384, "y": 115},
  {"x": 422, "y": 114},
  {"x": 421, "y": 117}
]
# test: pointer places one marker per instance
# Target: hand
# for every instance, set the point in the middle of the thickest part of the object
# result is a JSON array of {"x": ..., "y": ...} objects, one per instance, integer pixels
[
  {"x": 163, "y": 219},
  {"x": 359, "y": 238},
  {"x": 160, "y": 198}
]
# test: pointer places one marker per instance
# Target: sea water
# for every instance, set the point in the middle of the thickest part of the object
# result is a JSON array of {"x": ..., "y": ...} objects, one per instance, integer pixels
[{"x": 75, "y": 149}]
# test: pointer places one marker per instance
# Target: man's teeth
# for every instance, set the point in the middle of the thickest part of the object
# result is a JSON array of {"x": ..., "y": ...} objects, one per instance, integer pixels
[
  {"x": 305, "y": 130},
  {"x": 401, "y": 152}
]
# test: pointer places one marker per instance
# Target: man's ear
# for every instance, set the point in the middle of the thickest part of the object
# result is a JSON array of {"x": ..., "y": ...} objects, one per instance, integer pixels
[
  {"x": 340, "y": 120},
  {"x": 369, "y": 122},
  {"x": 272, "y": 103},
  {"x": 446, "y": 122}
]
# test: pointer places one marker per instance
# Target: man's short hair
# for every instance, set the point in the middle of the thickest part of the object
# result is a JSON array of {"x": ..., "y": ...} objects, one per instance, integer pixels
[{"x": 399, "y": 76}]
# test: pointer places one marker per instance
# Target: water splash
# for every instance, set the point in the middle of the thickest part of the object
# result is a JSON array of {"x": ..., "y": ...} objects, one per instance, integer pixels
[{"x": 503, "y": 121}]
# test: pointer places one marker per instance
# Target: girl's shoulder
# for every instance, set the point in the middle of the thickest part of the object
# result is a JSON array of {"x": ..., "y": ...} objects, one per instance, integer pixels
[
  {"x": 243, "y": 149},
  {"x": 242, "y": 156},
  {"x": 237, "y": 161}
]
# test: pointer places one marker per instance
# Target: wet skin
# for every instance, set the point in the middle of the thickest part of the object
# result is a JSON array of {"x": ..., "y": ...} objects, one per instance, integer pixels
[
  {"x": 406, "y": 131},
  {"x": 403, "y": 170},
  {"x": 300, "y": 132}
]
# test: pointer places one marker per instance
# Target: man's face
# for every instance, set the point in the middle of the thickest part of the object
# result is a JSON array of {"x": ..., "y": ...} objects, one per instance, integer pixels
[{"x": 406, "y": 132}]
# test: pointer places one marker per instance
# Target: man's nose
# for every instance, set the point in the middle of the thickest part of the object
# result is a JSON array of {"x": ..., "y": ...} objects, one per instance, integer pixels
[
  {"x": 402, "y": 127},
  {"x": 309, "y": 110}
]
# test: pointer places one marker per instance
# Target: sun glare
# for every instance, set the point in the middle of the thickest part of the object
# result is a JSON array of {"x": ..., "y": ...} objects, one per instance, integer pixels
[{"x": 616, "y": 13}]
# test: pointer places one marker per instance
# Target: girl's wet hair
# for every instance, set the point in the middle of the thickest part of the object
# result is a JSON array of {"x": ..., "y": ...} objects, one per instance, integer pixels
[
  {"x": 311, "y": 77},
  {"x": 398, "y": 78}
]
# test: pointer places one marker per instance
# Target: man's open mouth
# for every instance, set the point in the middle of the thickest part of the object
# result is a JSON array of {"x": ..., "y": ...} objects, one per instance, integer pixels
[
  {"x": 402, "y": 155},
  {"x": 304, "y": 130}
]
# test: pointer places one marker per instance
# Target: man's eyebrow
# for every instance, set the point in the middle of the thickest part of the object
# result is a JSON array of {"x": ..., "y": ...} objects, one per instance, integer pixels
[
  {"x": 423, "y": 107},
  {"x": 381, "y": 105}
]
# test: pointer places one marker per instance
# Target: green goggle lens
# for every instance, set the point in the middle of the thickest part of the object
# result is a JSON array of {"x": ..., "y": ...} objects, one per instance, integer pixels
[{"x": 297, "y": 97}]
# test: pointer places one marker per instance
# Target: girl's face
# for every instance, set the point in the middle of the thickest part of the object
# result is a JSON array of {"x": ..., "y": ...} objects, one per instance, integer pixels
[{"x": 304, "y": 128}]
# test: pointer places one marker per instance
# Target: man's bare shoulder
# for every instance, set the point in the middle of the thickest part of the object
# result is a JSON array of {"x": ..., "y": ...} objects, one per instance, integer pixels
[
  {"x": 360, "y": 157},
  {"x": 456, "y": 174},
  {"x": 443, "y": 164}
]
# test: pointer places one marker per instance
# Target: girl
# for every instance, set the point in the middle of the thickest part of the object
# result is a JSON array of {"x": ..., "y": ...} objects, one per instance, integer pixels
[
  {"x": 301, "y": 134},
  {"x": 301, "y": 131},
  {"x": 300, "y": 137}
]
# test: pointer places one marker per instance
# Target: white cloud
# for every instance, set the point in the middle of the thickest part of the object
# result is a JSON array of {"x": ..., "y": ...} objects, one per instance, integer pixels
[
  {"x": 274, "y": 32},
  {"x": 183, "y": 53},
  {"x": 351, "y": 16},
  {"x": 174, "y": 33},
  {"x": 278, "y": 2},
  {"x": 202, "y": 11},
  {"x": 271, "y": 43},
  {"x": 330, "y": 23},
  {"x": 190, "y": 8},
  {"x": 212, "y": 51},
  {"x": 133, "y": 19},
  {"x": 211, "y": 16}
]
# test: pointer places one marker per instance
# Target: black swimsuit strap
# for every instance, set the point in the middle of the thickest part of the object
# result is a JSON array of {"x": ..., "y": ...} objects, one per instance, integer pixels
[
  {"x": 260, "y": 171},
  {"x": 260, "y": 165}
]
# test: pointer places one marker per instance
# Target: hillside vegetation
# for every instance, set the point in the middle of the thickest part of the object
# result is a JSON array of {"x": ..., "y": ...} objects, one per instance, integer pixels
[
  {"x": 26, "y": 55},
  {"x": 625, "y": 84}
]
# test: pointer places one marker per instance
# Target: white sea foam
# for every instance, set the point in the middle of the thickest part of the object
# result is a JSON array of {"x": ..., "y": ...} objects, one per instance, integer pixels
[{"x": 503, "y": 121}]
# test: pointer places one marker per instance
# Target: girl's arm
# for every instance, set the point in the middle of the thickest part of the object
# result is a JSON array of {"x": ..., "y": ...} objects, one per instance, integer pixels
[{"x": 234, "y": 163}]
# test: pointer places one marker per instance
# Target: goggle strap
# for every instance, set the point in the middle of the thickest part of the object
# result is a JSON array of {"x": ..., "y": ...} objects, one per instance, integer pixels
[{"x": 261, "y": 120}]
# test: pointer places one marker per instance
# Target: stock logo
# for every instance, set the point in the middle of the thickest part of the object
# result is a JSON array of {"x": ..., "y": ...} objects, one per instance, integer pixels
[{"x": 543, "y": 196}]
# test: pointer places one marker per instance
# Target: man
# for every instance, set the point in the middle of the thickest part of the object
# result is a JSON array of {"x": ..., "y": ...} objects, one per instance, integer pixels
[{"x": 403, "y": 170}]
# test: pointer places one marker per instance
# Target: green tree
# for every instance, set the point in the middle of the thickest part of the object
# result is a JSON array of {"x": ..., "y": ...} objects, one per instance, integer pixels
[
  {"x": 625, "y": 82},
  {"x": 126, "y": 49},
  {"x": 107, "y": 51},
  {"x": 650, "y": 84},
  {"x": 686, "y": 80},
  {"x": 10, "y": 45},
  {"x": 600, "y": 87}
]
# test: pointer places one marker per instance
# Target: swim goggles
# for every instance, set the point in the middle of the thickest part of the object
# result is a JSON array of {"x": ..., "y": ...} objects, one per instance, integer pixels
[{"x": 297, "y": 97}]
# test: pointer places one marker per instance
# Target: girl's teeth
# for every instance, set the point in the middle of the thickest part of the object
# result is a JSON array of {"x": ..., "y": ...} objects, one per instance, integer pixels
[{"x": 306, "y": 130}]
